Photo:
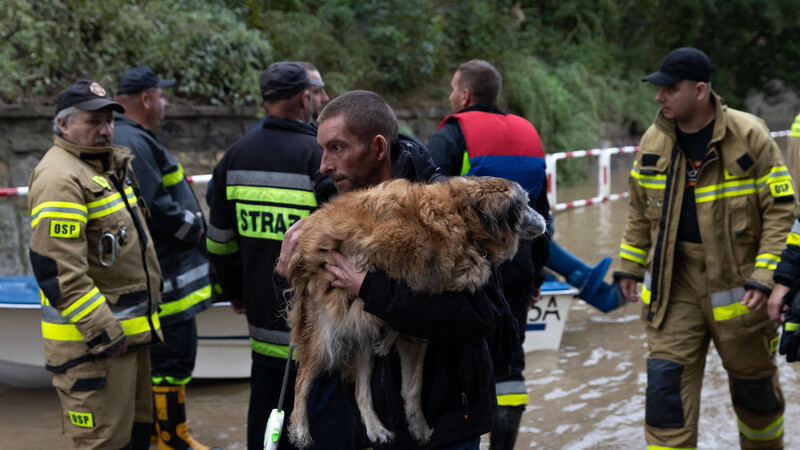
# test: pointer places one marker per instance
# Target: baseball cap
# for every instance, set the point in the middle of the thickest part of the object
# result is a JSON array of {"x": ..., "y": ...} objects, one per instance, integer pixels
[
  {"x": 685, "y": 63},
  {"x": 138, "y": 79},
  {"x": 87, "y": 95},
  {"x": 283, "y": 80}
]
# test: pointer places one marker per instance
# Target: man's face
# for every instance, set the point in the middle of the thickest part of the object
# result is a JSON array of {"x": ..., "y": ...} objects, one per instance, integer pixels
[
  {"x": 319, "y": 98},
  {"x": 456, "y": 94},
  {"x": 89, "y": 128},
  {"x": 157, "y": 104},
  {"x": 345, "y": 160},
  {"x": 680, "y": 101}
]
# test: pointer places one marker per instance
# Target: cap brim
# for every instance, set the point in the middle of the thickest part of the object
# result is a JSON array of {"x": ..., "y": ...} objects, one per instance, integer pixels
[
  {"x": 316, "y": 82},
  {"x": 98, "y": 103},
  {"x": 662, "y": 79},
  {"x": 165, "y": 83}
]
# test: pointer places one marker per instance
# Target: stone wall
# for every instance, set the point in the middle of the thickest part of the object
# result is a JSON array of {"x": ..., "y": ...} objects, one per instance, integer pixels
[{"x": 196, "y": 135}]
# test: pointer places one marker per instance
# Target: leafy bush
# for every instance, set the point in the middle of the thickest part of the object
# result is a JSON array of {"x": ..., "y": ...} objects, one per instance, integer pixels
[{"x": 205, "y": 46}]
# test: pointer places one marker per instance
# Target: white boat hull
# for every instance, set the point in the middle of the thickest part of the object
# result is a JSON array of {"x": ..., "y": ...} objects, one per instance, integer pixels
[{"x": 223, "y": 349}]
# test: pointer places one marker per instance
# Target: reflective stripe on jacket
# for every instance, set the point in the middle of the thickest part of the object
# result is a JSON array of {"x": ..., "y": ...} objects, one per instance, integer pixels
[
  {"x": 175, "y": 222},
  {"x": 744, "y": 198},
  {"x": 261, "y": 187},
  {"x": 91, "y": 253}
]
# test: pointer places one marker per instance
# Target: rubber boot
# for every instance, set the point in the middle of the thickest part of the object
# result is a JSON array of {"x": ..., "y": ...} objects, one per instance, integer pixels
[
  {"x": 173, "y": 432},
  {"x": 505, "y": 427}
]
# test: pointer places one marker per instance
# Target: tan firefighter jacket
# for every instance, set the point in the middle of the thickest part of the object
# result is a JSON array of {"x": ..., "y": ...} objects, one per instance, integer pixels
[
  {"x": 91, "y": 253},
  {"x": 744, "y": 198}
]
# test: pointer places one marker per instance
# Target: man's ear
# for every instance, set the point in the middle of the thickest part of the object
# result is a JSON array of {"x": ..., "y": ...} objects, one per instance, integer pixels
[
  {"x": 381, "y": 147},
  {"x": 466, "y": 98},
  {"x": 145, "y": 99}
]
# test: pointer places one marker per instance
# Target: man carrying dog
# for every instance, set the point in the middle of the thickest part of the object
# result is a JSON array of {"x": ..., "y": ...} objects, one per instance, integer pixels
[
  {"x": 710, "y": 210},
  {"x": 177, "y": 226},
  {"x": 361, "y": 148},
  {"x": 479, "y": 139},
  {"x": 262, "y": 186}
]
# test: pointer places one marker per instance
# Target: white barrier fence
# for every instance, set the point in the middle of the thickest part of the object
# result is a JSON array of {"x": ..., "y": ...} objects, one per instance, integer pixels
[{"x": 603, "y": 176}]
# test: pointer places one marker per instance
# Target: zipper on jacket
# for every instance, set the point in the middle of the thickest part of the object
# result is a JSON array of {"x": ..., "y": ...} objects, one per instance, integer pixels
[
  {"x": 118, "y": 183},
  {"x": 465, "y": 402},
  {"x": 663, "y": 225}
]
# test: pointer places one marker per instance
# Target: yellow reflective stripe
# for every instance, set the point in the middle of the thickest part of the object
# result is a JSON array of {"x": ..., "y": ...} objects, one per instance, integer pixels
[
  {"x": 169, "y": 179},
  {"x": 512, "y": 400},
  {"x": 271, "y": 195},
  {"x": 222, "y": 248},
  {"x": 465, "y": 165},
  {"x": 176, "y": 306},
  {"x": 795, "y": 132},
  {"x": 767, "y": 260},
  {"x": 58, "y": 210},
  {"x": 768, "y": 433},
  {"x": 273, "y": 350},
  {"x": 645, "y": 295},
  {"x": 170, "y": 380},
  {"x": 656, "y": 181},
  {"x": 129, "y": 193},
  {"x": 104, "y": 200},
  {"x": 631, "y": 253},
  {"x": 84, "y": 305},
  {"x": 793, "y": 239},
  {"x": 791, "y": 326},
  {"x": 659, "y": 447},
  {"x": 101, "y": 181},
  {"x": 727, "y": 189},
  {"x": 69, "y": 332},
  {"x": 773, "y": 344},
  {"x": 729, "y": 311}
]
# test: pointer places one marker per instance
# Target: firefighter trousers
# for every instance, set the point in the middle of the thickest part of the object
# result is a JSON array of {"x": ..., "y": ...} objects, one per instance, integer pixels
[
  {"x": 103, "y": 400},
  {"x": 678, "y": 349}
]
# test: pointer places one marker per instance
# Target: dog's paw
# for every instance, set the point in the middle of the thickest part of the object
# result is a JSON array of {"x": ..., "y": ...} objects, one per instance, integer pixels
[
  {"x": 300, "y": 437},
  {"x": 421, "y": 432},
  {"x": 379, "y": 435}
]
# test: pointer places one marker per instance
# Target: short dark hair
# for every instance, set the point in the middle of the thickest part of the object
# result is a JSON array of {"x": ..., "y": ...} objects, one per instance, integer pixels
[
  {"x": 366, "y": 115},
  {"x": 482, "y": 79}
]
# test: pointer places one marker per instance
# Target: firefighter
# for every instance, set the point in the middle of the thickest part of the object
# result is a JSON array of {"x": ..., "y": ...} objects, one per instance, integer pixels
[
  {"x": 479, "y": 139},
  {"x": 98, "y": 275},
  {"x": 262, "y": 186},
  {"x": 178, "y": 229},
  {"x": 710, "y": 209}
]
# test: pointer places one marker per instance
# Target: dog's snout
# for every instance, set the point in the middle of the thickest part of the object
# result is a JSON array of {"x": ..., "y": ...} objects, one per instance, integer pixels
[{"x": 533, "y": 224}]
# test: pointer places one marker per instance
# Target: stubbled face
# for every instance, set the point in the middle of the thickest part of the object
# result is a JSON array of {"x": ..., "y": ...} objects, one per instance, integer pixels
[
  {"x": 89, "y": 128},
  {"x": 456, "y": 94},
  {"x": 678, "y": 101},
  {"x": 319, "y": 98},
  {"x": 345, "y": 159}
]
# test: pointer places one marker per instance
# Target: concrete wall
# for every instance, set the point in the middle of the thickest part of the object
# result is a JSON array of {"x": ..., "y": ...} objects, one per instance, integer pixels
[{"x": 196, "y": 135}]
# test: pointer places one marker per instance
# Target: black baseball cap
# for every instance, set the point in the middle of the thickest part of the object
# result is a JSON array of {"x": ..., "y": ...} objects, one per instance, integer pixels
[
  {"x": 138, "y": 79},
  {"x": 87, "y": 95},
  {"x": 685, "y": 63},
  {"x": 283, "y": 80}
]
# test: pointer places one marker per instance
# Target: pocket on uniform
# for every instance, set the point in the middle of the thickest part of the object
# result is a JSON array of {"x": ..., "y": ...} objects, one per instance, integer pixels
[
  {"x": 742, "y": 235},
  {"x": 80, "y": 390},
  {"x": 655, "y": 204}
]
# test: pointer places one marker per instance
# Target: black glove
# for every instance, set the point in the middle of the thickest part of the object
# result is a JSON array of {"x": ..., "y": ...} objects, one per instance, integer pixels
[{"x": 790, "y": 337}]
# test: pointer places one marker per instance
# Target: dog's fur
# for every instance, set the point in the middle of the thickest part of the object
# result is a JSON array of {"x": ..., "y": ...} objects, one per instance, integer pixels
[{"x": 439, "y": 237}]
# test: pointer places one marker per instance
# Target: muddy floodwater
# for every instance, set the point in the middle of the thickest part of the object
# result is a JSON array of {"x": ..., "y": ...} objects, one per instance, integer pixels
[{"x": 587, "y": 395}]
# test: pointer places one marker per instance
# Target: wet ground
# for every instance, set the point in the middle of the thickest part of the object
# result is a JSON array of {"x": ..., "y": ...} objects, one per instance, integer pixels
[{"x": 587, "y": 395}]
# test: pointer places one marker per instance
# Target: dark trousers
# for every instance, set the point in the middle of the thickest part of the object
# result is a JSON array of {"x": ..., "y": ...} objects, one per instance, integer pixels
[
  {"x": 175, "y": 357},
  {"x": 329, "y": 414}
]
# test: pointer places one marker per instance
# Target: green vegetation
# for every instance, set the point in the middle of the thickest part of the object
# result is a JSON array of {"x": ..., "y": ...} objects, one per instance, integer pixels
[{"x": 568, "y": 65}]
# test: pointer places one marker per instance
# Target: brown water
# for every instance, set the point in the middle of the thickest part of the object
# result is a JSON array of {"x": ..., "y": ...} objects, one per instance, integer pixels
[{"x": 587, "y": 395}]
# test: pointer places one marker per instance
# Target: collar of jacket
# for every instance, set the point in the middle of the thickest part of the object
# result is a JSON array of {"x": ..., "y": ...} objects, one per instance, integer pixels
[
  {"x": 414, "y": 161},
  {"x": 284, "y": 123},
  {"x": 483, "y": 108},
  {"x": 101, "y": 159},
  {"x": 733, "y": 153}
]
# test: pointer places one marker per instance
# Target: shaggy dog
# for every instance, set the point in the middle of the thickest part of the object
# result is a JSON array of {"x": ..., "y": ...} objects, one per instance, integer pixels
[{"x": 438, "y": 237}]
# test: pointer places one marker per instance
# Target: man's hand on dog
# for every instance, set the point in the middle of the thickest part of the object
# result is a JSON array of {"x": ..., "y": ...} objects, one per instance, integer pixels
[
  {"x": 288, "y": 247},
  {"x": 347, "y": 276}
]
